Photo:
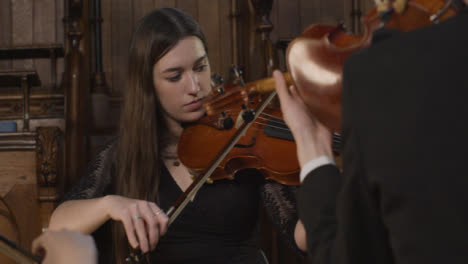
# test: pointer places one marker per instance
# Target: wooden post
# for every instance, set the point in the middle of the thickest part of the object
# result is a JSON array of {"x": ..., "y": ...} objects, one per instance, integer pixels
[
  {"x": 25, "y": 86},
  {"x": 76, "y": 98},
  {"x": 100, "y": 105},
  {"x": 262, "y": 10}
]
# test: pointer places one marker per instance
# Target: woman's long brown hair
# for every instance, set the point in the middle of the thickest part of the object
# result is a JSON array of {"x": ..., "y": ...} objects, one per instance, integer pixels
[{"x": 141, "y": 125}]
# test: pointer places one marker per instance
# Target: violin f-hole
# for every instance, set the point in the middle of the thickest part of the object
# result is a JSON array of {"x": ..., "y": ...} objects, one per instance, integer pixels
[{"x": 254, "y": 141}]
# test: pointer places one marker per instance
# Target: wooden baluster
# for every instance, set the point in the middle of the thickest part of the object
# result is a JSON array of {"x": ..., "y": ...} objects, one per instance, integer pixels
[
  {"x": 25, "y": 87},
  {"x": 76, "y": 97},
  {"x": 100, "y": 93}
]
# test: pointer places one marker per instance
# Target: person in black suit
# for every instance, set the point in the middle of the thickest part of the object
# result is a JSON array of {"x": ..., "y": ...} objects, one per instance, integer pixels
[{"x": 403, "y": 195}]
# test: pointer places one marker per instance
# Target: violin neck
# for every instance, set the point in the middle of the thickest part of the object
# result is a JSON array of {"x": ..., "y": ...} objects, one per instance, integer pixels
[{"x": 267, "y": 85}]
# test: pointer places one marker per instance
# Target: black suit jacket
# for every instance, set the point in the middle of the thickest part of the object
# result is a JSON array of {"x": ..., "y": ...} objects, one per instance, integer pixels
[{"x": 403, "y": 197}]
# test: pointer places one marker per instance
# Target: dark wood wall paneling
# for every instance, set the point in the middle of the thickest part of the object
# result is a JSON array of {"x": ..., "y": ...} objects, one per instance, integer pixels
[
  {"x": 28, "y": 22},
  {"x": 5, "y": 30}
]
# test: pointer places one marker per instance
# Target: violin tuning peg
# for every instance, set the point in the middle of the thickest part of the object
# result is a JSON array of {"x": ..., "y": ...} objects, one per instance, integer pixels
[
  {"x": 217, "y": 80},
  {"x": 227, "y": 123},
  {"x": 238, "y": 75},
  {"x": 248, "y": 115}
]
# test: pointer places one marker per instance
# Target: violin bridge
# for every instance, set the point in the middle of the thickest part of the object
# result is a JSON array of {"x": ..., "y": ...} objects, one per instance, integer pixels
[
  {"x": 194, "y": 175},
  {"x": 239, "y": 120}
]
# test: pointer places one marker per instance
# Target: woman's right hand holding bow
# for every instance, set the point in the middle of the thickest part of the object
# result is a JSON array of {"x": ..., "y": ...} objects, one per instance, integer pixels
[{"x": 144, "y": 222}]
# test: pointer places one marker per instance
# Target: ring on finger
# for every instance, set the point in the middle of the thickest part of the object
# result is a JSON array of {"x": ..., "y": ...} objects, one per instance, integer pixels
[
  {"x": 157, "y": 213},
  {"x": 137, "y": 217}
]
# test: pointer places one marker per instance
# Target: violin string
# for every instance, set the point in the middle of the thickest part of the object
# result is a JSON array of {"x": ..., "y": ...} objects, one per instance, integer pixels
[
  {"x": 270, "y": 118},
  {"x": 280, "y": 122},
  {"x": 275, "y": 120},
  {"x": 270, "y": 126},
  {"x": 258, "y": 125}
]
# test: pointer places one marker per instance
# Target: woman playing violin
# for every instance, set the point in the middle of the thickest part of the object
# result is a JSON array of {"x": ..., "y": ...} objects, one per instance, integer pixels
[
  {"x": 403, "y": 195},
  {"x": 135, "y": 179}
]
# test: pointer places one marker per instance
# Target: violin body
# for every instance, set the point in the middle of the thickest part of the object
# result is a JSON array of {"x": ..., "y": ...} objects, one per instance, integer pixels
[
  {"x": 315, "y": 59},
  {"x": 267, "y": 145}
]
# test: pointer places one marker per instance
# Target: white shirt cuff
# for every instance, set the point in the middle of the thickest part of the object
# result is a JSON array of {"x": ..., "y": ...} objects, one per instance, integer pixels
[{"x": 313, "y": 164}]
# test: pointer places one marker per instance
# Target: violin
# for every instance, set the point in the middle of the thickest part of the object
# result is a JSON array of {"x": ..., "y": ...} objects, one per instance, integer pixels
[
  {"x": 315, "y": 59},
  {"x": 267, "y": 145}
]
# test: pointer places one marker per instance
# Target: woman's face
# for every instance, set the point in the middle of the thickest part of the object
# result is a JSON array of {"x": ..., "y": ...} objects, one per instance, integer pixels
[{"x": 182, "y": 80}]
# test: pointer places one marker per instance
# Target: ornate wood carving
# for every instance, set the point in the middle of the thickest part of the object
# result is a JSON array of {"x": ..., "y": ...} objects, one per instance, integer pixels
[
  {"x": 48, "y": 169},
  {"x": 47, "y": 149}
]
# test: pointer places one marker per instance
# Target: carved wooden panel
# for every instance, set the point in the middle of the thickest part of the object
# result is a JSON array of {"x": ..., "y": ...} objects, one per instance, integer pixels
[
  {"x": 41, "y": 106},
  {"x": 48, "y": 170},
  {"x": 47, "y": 154}
]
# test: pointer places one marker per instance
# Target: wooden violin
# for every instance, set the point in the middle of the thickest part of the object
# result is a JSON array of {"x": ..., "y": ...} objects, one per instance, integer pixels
[{"x": 266, "y": 145}]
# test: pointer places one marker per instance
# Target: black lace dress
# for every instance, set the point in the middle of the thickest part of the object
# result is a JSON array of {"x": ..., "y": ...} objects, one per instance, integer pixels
[{"x": 219, "y": 226}]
